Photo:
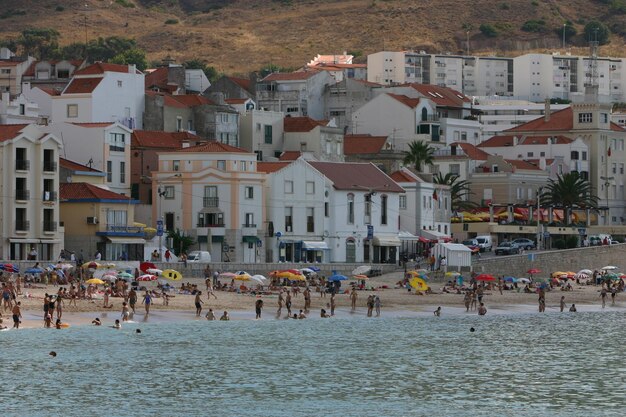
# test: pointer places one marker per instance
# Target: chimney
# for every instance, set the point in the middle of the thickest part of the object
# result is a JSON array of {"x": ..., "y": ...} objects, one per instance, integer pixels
[
  {"x": 515, "y": 140},
  {"x": 546, "y": 113},
  {"x": 132, "y": 69}
]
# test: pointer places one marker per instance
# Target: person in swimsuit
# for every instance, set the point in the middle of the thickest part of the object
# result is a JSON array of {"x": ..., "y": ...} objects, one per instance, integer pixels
[
  {"x": 147, "y": 300},
  {"x": 199, "y": 303},
  {"x": 353, "y": 298},
  {"x": 132, "y": 299},
  {"x": 258, "y": 307},
  {"x": 572, "y": 309},
  {"x": 125, "y": 312},
  {"x": 482, "y": 310},
  {"x": 280, "y": 303},
  {"x": 437, "y": 312},
  {"x": 210, "y": 315},
  {"x": 307, "y": 299},
  {"x": 17, "y": 315},
  {"x": 288, "y": 303},
  {"x": 225, "y": 316},
  {"x": 562, "y": 305}
]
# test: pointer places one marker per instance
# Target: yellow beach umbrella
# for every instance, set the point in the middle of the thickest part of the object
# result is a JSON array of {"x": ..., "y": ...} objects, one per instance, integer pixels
[
  {"x": 360, "y": 277},
  {"x": 558, "y": 274},
  {"x": 94, "y": 281},
  {"x": 419, "y": 284},
  {"x": 242, "y": 277},
  {"x": 296, "y": 277},
  {"x": 91, "y": 265}
]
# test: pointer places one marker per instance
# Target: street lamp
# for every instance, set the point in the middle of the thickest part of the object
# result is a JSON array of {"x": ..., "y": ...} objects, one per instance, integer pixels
[
  {"x": 607, "y": 182},
  {"x": 161, "y": 193},
  {"x": 539, "y": 234}
]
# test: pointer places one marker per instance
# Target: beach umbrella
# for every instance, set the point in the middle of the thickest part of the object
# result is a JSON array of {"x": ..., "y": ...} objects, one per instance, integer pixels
[
  {"x": 283, "y": 274},
  {"x": 337, "y": 277},
  {"x": 296, "y": 277},
  {"x": 94, "y": 281},
  {"x": 532, "y": 271},
  {"x": 173, "y": 275},
  {"x": 586, "y": 271},
  {"x": 259, "y": 278},
  {"x": 612, "y": 277},
  {"x": 418, "y": 284},
  {"x": 107, "y": 265},
  {"x": 125, "y": 275},
  {"x": 147, "y": 277},
  {"x": 307, "y": 271},
  {"x": 91, "y": 265},
  {"x": 453, "y": 274},
  {"x": 145, "y": 266},
  {"x": 154, "y": 271},
  {"x": 227, "y": 275},
  {"x": 9, "y": 268},
  {"x": 360, "y": 277},
  {"x": 33, "y": 271},
  {"x": 485, "y": 277},
  {"x": 523, "y": 280},
  {"x": 581, "y": 276},
  {"x": 64, "y": 266},
  {"x": 558, "y": 274},
  {"x": 108, "y": 277},
  {"x": 510, "y": 279},
  {"x": 314, "y": 268},
  {"x": 609, "y": 268},
  {"x": 243, "y": 277},
  {"x": 360, "y": 270}
]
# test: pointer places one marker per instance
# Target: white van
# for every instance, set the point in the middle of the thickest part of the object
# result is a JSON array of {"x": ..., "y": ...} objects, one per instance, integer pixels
[
  {"x": 199, "y": 256},
  {"x": 485, "y": 243}
]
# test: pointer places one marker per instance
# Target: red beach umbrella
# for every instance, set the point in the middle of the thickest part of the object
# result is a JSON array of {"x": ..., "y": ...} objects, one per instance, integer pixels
[
  {"x": 144, "y": 266},
  {"x": 485, "y": 277},
  {"x": 533, "y": 271}
]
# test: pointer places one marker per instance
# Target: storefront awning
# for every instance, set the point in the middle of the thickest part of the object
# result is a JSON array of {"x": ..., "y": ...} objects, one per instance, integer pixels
[
  {"x": 424, "y": 240},
  {"x": 306, "y": 245},
  {"x": 386, "y": 241},
  {"x": 127, "y": 240},
  {"x": 250, "y": 239},
  {"x": 404, "y": 235},
  {"x": 435, "y": 235},
  {"x": 18, "y": 240}
]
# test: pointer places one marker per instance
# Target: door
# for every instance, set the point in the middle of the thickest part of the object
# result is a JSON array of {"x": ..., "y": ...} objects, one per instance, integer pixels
[
  {"x": 350, "y": 251},
  {"x": 169, "y": 221}
]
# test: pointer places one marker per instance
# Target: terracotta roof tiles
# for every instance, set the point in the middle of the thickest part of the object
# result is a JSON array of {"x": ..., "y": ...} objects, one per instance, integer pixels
[
  {"x": 363, "y": 144},
  {"x": 472, "y": 151},
  {"x": 102, "y": 67},
  {"x": 441, "y": 96},
  {"x": 290, "y": 155},
  {"x": 357, "y": 176},
  {"x": 82, "y": 85},
  {"x": 301, "y": 124},
  {"x": 158, "y": 139},
  {"x": 269, "y": 167},
  {"x": 75, "y": 166},
  {"x": 85, "y": 191},
  {"x": 507, "y": 140},
  {"x": 407, "y": 101},
  {"x": 402, "y": 176},
  {"x": 241, "y": 82},
  {"x": 521, "y": 164},
  {"x": 213, "y": 147},
  {"x": 8, "y": 132}
]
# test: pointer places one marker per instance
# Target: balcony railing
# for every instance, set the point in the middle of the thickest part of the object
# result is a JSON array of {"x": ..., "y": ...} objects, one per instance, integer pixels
[
  {"x": 49, "y": 166},
  {"x": 22, "y": 225},
  {"x": 22, "y": 195},
  {"x": 49, "y": 196},
  {"x": 203, "y": 224},
  {"x": 49, "y": 226},
  {"x": 210, "y": 201},
  {"x": 124, "y": 229},
  {"x": 22, "y": 165},
  {"x": 248, "y": 225},
  {"x": 115, "y": 148}
]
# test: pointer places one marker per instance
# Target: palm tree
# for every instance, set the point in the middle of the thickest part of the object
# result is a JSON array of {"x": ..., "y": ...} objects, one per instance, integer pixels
[
  {"x": 569, "y": 191},
  {"x": 459, "y": 190},
  {"x": 419, "y": 154}
]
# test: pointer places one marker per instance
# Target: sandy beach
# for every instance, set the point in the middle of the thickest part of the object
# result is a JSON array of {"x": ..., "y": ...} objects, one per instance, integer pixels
[{"x": 395, "y": 301}]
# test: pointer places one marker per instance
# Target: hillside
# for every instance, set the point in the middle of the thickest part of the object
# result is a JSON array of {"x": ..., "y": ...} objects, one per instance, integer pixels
[{"x": 241, "y": 35}]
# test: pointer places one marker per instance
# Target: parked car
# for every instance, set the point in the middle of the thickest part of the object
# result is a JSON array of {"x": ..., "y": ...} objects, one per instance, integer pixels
[
  {"x": 507, "y": 248},
  {"x": 485, "y": 243},
  {"x": 525, "y": 243},
  {"x": 473, "y": 245},
  {"x": 199, "y": 256}
]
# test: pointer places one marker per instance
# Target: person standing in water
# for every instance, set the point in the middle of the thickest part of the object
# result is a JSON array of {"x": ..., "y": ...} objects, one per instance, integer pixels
[
  {"x": 562, "y": 304},
  {"x": 377, "y": 305},
  {"x": 603, "y": 295},
  {"x": 147, "y": 300},
  {"x": 353, "y": 298},
  {"x": 258, "y": 307},
  {"x": 482, "y": 310},
  {"x": 198, "y": 303},
  {"x": 17, "y": 315},
  {"x": 437, "y": 312},
  {"x": 280, "y": 303},
  {"x": 307, "y": 299},
  {"x": 333, "y": 304}
]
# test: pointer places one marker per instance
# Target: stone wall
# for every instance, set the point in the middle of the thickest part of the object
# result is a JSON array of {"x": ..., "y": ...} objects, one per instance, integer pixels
[{"x": 563, "y": 260}]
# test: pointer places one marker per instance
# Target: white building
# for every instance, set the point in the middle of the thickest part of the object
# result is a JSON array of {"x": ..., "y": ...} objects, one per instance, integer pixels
[
  {"x": 18, "y": 111},
  {"x": 196, "y": 80},
  {"x": 261, "y": 132},
  {"x": 29, "y": 188},
  {"x": 104, "y": 146},
  {"x": 102, "y": 93},
  {"x": 324, "y": 140}
]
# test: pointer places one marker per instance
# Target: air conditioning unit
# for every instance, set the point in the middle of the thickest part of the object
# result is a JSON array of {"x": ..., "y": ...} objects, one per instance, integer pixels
[
  {"x": 92, "y": 220},
  {"x": 288, "y": 228}
]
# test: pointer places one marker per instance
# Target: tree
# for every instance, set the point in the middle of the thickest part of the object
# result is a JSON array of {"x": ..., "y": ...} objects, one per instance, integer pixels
[
  {"x": 459, "y": 191},
  {"x": 132, "y": 56},
  {"x": 180, "y": 242},
  {"x": 210, "y": 72},
  {"x": 569, "y": 191},
  {"x": 41, "y": 43},
  {"x": 419, "y": 154},
  {"x": 570, "y": 31},
  {"x": 488, "y": 30},
  {"x": 597, "y": 31}
]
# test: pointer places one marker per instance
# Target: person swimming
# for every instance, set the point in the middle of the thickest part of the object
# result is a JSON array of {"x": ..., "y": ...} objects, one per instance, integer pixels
[
  {"x": 96, "y": 322},
  {"x": 117, "y": 325}
]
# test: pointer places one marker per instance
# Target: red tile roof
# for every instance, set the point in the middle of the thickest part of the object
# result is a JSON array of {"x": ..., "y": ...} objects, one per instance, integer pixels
[
  {"x": 441, "y": 96},
  {"x": 562, "y": 120},
  {"x": 6, "y": 63},
  {"x": 82, "y": 85},
  {"x": 85, "y": 191},
  {"x": 472, "y": 151},
  {"x": 536, "y": 161},
  {"x": 269, "y": 167},
  {"x": 290, "y": 76},
  {"x": 521, "y": 164},
  {"x": 213, "y": 147},
  {"x": 290, "y": 155},
  {"x": 94, "y": 124},
  {"x": 301, "y": 124},
  {"x": 356, "y": 176},
  {"x": 49, "y": 91},
  {"x": 402, "y": 176},
  {"x": 407, "y": 101},
  {"x": 75, "y": 166},
  {"x": 102, "y": 67},
  {"x": 168, "y": 100},
  {"x": 363, "y": 144},
  {"x": 8, "y": 132},
  {"x": 236, "y": 100},
  {"x": 158, "y": 78},
  {"x": 30, "y": 72},
  {"x": 617, "y": 128},
  {"x": 502, "y": 140},
  {"x": 241, "y": 82},
  {"x": 158, "y": 139}
]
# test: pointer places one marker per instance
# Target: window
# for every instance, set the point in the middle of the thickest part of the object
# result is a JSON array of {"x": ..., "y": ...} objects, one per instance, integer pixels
[
  {"x": 464, "y": 136},
  {"x": 288, "y": 219},
  {"x": 530, "y": 154},
  {"x": 22, "y": 109},
  {"x": 117, "y": 217},
  {"x": 221, "y": 165},
  {"x": 368, "y": 209},
  {"x": 179, "y": 124},
  {"x": 168, "y": 192},
  {"x": 210, "y": 197},
  {"x": 542, "y": 154},
  {"x": 614, "y": 168},
  {"x": 310, "y": 187},
  {"x": 585, "y": 117},
  {"x": 122, "y": 172},
  {"x": 326, "y": 209},
  {"x": 424, "y": 201},
  {"x": 268, "y": 134},
  {"x": 288, "y": 187},
  {"x": 176, "y": 165},
  {"x": 189, "y": 124},
  {"x": 584, "y": 155},
  {"x": 5, "y": 71},
  {"x": 310, "y": 220},
  {"x": 72, "y": 110},
  {"x": 293, "y": 109},
  {"x": 402, "y": 202},
  {"x": 604, "y": 117},
  {"x": 575, "y": 155},
  {"x": 63, "y": 73},
  {"x": 350, "y": 208},
  {"x": 455, "y": 169},
  {"x": 249, "y": 192},
  {"x": 119, "y": 83},
  {"x": 383, "y": 209},
  {"x": 109, "y": 171},
  {"x": 249, "y": 220}
]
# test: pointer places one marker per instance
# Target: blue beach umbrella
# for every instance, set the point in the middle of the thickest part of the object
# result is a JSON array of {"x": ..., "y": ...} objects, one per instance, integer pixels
[
  {"x": 33, "y": 271},
  {"x": 314, "y": 268},
  {"x": 510, "y": 279},
  {"x": 337, "y": 277}
]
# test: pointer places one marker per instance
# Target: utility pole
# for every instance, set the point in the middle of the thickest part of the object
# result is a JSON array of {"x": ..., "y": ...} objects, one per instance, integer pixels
[{"x": 564, "y": 25}]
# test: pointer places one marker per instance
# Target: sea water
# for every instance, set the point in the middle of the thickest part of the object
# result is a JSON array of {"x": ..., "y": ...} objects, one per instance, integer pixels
[{"x": 568, "y": 364}]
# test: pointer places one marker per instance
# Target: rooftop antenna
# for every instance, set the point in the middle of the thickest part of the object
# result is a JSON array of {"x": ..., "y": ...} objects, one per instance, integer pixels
[
  {"x": 85, "y": 27},
  {"x": 593, "y": 60},
  {"x": 90, "y": 162}
]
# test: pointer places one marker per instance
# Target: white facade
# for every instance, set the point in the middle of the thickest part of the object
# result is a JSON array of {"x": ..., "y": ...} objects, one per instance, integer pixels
[
  {"x": 18, "y": 111},
  {"x": 261, "y": 132},
  {"x": 102, "y": 93},
  {"x": 324, "y": 142},
  {"x": 460, "y": 130},
  {"x": 29, "y": 189},
  {"x": 103, "y": 146},
  {"x": 196, "y": 80}
]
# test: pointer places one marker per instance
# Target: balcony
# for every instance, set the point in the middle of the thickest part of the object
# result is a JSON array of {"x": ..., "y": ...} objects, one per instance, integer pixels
[
  {"x": 22, "y": 226},
  {"x": 49, "y": 226},
  {"x": 49, "y": 196},
  {"x": 122, "y": 230},
  {"x": 49, "y": 166},
  {"x": 22, "y": 165},
  {"x": 22, "y": 195},
  {"x": 210, "y": 202},
  {"x": 203, "y": 224},
  {"x": 115, "y": 148},
  {"x": 248, "y": 229}
]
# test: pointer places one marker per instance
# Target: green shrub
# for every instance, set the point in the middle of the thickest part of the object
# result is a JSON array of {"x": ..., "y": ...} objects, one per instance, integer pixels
[
  {"x": 488, "y": 30},
  {"x": 534, "y": 26},
  {"x": 59, "y": 8},
  {"x": 125, "y": 3},
  {"x": 534, "y": 3},
  {"x": 504, "y": 6},
  {"x": 571, "y": 242},
  {"x": 602, "y": 32},
  {"x": 559, "y": 244},
  {"x": 171, "y": 21}
]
